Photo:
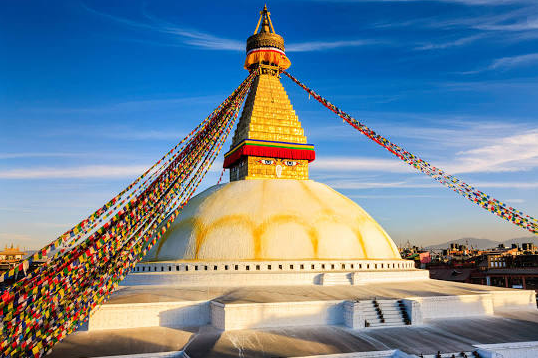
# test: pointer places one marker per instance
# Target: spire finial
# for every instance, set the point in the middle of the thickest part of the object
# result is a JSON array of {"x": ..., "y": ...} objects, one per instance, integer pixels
[{"x": 265, "y": 20}]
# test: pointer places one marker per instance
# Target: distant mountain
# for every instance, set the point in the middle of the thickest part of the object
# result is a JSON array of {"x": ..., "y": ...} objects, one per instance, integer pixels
[
  {"x": 521, "y": 240},
  {"x": 484, "y": 243},
  {"x": 471, "y": 241}
]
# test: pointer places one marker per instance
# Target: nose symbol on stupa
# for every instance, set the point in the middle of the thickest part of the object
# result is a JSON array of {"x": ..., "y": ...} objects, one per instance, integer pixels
[{"x": 278, "y": 171}]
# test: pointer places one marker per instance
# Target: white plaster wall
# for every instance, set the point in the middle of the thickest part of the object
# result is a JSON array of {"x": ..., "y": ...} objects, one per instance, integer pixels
[
  {"x": 372, "y": 354},
  {"x": 514, "y": 300},
  {"x": 455, "y": 306},
  {"x": 353, "y": 315},
  {"x": 280, "y": 314},
  {"x": 275, "y": 265},
  {"x": 387, "y": 276},
  {"x": 509, "y": 350},
  {"x": 257, "y": 274},
  {"x": 414, "y": 310},
  {"x": 164, "y": 314}
]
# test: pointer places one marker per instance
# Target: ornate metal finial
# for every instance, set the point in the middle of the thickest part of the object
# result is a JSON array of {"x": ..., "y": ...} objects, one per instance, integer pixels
[
  {"x": 265, "y": 21},
  {"x": 265, "y": 47}
]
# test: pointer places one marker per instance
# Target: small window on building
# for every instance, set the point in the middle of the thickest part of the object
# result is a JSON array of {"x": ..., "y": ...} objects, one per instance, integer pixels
[
  {"x": 323, "y": 266},
  {"x": 268, "y": 267},
  {"x": 312, "y": 266},
  {"x": 169, "y": 268},
  {"x": 352, "y": 266},
  {"x": 248, "y": 268},
  {"x": 236, "y": 267},
  {"x": 226, "y": 267},
  {"x": 258, "y": 267},
  {"x": 215, "y": 268},
  {"x": 186, "y": 268},
  {"x": 332, "y": 266},
  {"x": 177, "y": 268},
  {"x": 302, "y": 267},
  {"x": 143, "y": 269},
  {"x": 291, "y": 267},
  {"x": 343, "y": 266},
  {"x": 280, "y": 267},
  {"x": 196, "y": 268}
]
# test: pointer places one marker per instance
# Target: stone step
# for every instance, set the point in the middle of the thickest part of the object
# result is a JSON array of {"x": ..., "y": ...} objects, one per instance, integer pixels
[
  {"x": 335, "y": 279},
  {"x": 386, "y": 324}
]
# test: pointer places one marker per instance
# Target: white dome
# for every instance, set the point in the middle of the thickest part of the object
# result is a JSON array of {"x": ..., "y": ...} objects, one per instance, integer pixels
[{"x": 273, "y": 219}]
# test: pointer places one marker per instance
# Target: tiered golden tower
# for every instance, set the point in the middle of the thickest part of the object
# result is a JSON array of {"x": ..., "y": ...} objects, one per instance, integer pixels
[{"x": 269, "y": 142}]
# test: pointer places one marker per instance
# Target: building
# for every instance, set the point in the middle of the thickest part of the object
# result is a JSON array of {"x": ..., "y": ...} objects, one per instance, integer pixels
[
  {"x": 273, "y": 264},
  {"x": 10, "y": 256}
]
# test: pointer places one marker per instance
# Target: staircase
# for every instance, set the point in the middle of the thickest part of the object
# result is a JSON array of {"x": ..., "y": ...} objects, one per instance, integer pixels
[
  {"x": 384, "y": 313},
  {"x": 337, "y": 279}
]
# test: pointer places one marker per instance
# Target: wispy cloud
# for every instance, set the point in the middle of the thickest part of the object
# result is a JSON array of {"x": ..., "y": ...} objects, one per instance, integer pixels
[
  {"x": 146, "y": 135},
  {"x": 513, "y": 153},
  {"x": 327, "y": 45},
  {"x": 465, "y": 2},
  {"x": 513, "y": 61},
  {"x": 90, "y": 171},
  {"x": 85, "y": 172},
  {"x": 133, "y": 106},
  {"x": 358, "y": 184},
  {"x": 360, "y": 164},
  {"x": 509, "y": 154},
  {"x": 203, "y": 40},
  {"x": 39, "y": 155},
  {"x": 452, "y": 43},
  {"x": 506, "y": 63}
]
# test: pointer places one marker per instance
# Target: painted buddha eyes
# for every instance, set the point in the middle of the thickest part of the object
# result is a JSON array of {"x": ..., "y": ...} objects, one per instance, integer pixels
[{"x": 288, "y": 163}]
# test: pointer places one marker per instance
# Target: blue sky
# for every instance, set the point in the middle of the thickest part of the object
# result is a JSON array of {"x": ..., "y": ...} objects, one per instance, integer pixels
[{"x": 93, "y": 92}]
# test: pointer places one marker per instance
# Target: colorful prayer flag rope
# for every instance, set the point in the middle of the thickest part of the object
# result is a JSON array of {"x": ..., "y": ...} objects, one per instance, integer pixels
[
  {"x": 476, "y": 196},
  {"x": 49, "y": 303}
]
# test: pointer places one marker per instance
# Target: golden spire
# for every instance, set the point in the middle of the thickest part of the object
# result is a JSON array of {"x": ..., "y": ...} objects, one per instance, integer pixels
[{"x": 269, "y": 142}]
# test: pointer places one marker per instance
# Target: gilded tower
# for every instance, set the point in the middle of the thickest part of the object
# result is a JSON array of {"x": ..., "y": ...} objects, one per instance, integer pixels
[{"x": 269, "y": 142}]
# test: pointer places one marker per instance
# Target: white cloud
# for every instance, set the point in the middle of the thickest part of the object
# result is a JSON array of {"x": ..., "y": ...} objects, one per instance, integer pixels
[
  {"x": 85, "y": 172},
  {"x": 39, "y": 155},
  {"x": 514, "y": 153},
  {"x": 454, "y": 43},
  {"x": 465, "y": 2},
  {"x": 510, "y": 154},
  {"x": 357, "y": 184},
  {"x": 326, "y": 45},
  {"x": 203, "y": 40},
  {"x": 360, "y": 164},
  {"x": 513, "y": 61},
  {"x": 90, "y": 171}
]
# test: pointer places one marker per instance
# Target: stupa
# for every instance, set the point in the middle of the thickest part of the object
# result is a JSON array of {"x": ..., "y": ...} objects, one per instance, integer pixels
[
  {"x": 270, "y": 210},
  {"x": 273, "y": 264}
]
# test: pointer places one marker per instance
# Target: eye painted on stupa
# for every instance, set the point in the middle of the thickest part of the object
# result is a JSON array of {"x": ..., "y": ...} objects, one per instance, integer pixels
[
  {"x": 290, "y": 163},
  {"x": 266, "y": 161}
]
